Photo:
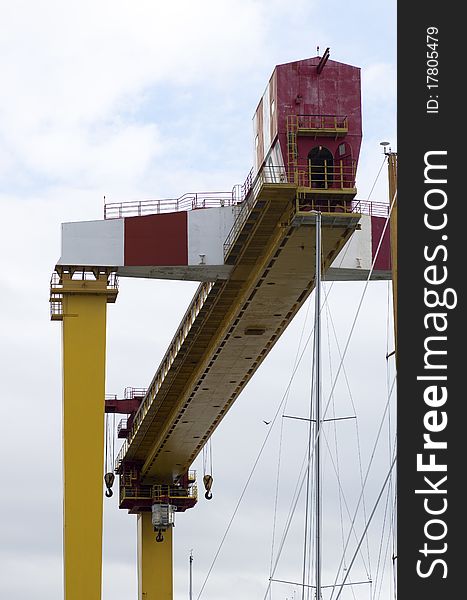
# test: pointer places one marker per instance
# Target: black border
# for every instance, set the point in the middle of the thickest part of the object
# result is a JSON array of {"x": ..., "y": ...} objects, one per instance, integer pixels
[{"x": 418, "y": 133}]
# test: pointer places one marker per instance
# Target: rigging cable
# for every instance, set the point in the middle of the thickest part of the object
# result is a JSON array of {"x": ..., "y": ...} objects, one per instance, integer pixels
[
  {"x": 357, "y": 432},
  {"x": 349, "y": 337},
  {"x": 366, "y": 475},
  {"x": 336, "y": 467},
  {"x": 207, "y": 472},
  {"x": 255, "y": 464},
  {"x": 347, "y": 381},
  {"x": 341, "y": 492},
  {"x": 276, "y": 494},
  {"x": 390, "y": 392},
  {"x": 291, "y": 512},
  {"x": 377, "y": 177},
  {"x": 381, "y": 542},
  {"x": 390, "y": 489},
  {"x": 394, "y": 549},
  {"x": 307, "y": 501},
  {"x": 106, "y": 438},
  {"x": 367, "y": 199},
  {"x": 315, "y": 385},
  {"x": 341, "y": 515},
  {"x": 270, "y": 429},
  {"x": 389, "y": 497},
  {"x": 113, "y": 442},
  {"x": 336, "y": 446},
  {"x": 274, "y": 419},
  {"x": 309, "y": 471},
  {"x": 352, "y": 524},
  {"x": 384, "y": 561},
  {"x": 366, "y": 529},
  {"x": 109, "y": 453}
]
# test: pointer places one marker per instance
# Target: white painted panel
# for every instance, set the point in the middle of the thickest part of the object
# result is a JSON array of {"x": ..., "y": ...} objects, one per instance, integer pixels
[
  {"x": 356, "y": 254},
  {"x": 93, "y": 243},
  {"x": 266, "y": 121},
  {"x": 207, "y": 231},
  {"x": 276, "y": 154},
  {"x": 274, "y": 171},
  {"x": 265, "y": 134},
  {"x": 255, "y": 134}
]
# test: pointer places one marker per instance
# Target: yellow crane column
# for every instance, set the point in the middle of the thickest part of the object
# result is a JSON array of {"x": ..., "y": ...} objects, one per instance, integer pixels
[
  {"x": 392, "y": 175},
  {"x": 83, "y": 312},
  {"x": 155, "y": 581}
]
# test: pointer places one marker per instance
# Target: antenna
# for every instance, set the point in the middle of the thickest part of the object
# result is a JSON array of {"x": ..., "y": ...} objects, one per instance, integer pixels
[
  {"x": 323, "y": 61},
  {"x": 385, "y": 145}
]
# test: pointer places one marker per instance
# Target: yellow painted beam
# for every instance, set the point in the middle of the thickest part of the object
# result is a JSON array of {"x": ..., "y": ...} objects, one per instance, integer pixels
[
  {"x": 392, "y": 173},
  {"x": 155, "y": 580},
  {"x": 84, "y": 328}
]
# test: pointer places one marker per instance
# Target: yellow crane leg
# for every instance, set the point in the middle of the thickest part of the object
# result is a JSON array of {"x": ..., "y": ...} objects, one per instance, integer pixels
[
  {"x": 84, "y": 328},
  {"x": 155, "y": 581},
  {"x": 392, "y": 172}
]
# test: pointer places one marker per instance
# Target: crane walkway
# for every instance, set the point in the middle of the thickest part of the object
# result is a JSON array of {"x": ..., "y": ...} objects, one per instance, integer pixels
[{"x": 229, "y": 328}]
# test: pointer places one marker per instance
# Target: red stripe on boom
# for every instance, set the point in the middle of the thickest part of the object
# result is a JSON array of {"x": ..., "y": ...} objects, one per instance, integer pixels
[{"x": 159, "y": 240}]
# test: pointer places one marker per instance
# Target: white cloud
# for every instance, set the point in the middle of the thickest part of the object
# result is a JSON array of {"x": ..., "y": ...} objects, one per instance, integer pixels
[
  {"x": 378, "y": 83},
  {"x": 146, "y": 99},
  {"x": 76, "y": 81},
  {"x": 64, "y": 154},
  {"x": 86, "y": 57},
  {"x": 40, "y": 577}
]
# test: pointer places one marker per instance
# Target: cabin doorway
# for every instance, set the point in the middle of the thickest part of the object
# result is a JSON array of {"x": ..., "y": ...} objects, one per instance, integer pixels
[{"x": 320, "y": 167}]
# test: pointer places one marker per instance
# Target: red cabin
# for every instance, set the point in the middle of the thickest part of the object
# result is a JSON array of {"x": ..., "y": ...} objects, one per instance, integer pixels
[{"x": 308, "y": 129}]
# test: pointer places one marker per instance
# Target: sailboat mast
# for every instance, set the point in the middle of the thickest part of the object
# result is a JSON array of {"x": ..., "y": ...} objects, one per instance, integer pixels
[
  {"x": 191, "y": 575},
  {"x": 318, "y": 408}
]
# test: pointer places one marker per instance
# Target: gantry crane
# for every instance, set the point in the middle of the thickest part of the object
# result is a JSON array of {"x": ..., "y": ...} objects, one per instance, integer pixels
[{"x": 252, "y": 250}]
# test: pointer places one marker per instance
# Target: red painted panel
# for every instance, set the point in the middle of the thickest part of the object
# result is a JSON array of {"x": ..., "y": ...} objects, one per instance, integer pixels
[
  {"x": 159, "y": 240},
  {"x": 123, "y": 407},
  {"x": 383, "y": 260}
]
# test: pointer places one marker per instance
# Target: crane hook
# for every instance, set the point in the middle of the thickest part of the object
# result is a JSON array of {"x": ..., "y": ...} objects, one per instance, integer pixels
[
  {"x": 207, "y": 480},
  {"x": 109, "y": 479},
  {"x": 159, "y": 536}
]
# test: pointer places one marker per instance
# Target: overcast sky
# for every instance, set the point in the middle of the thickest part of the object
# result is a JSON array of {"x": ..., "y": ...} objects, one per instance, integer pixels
[{"x": 144, "y": 99}]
